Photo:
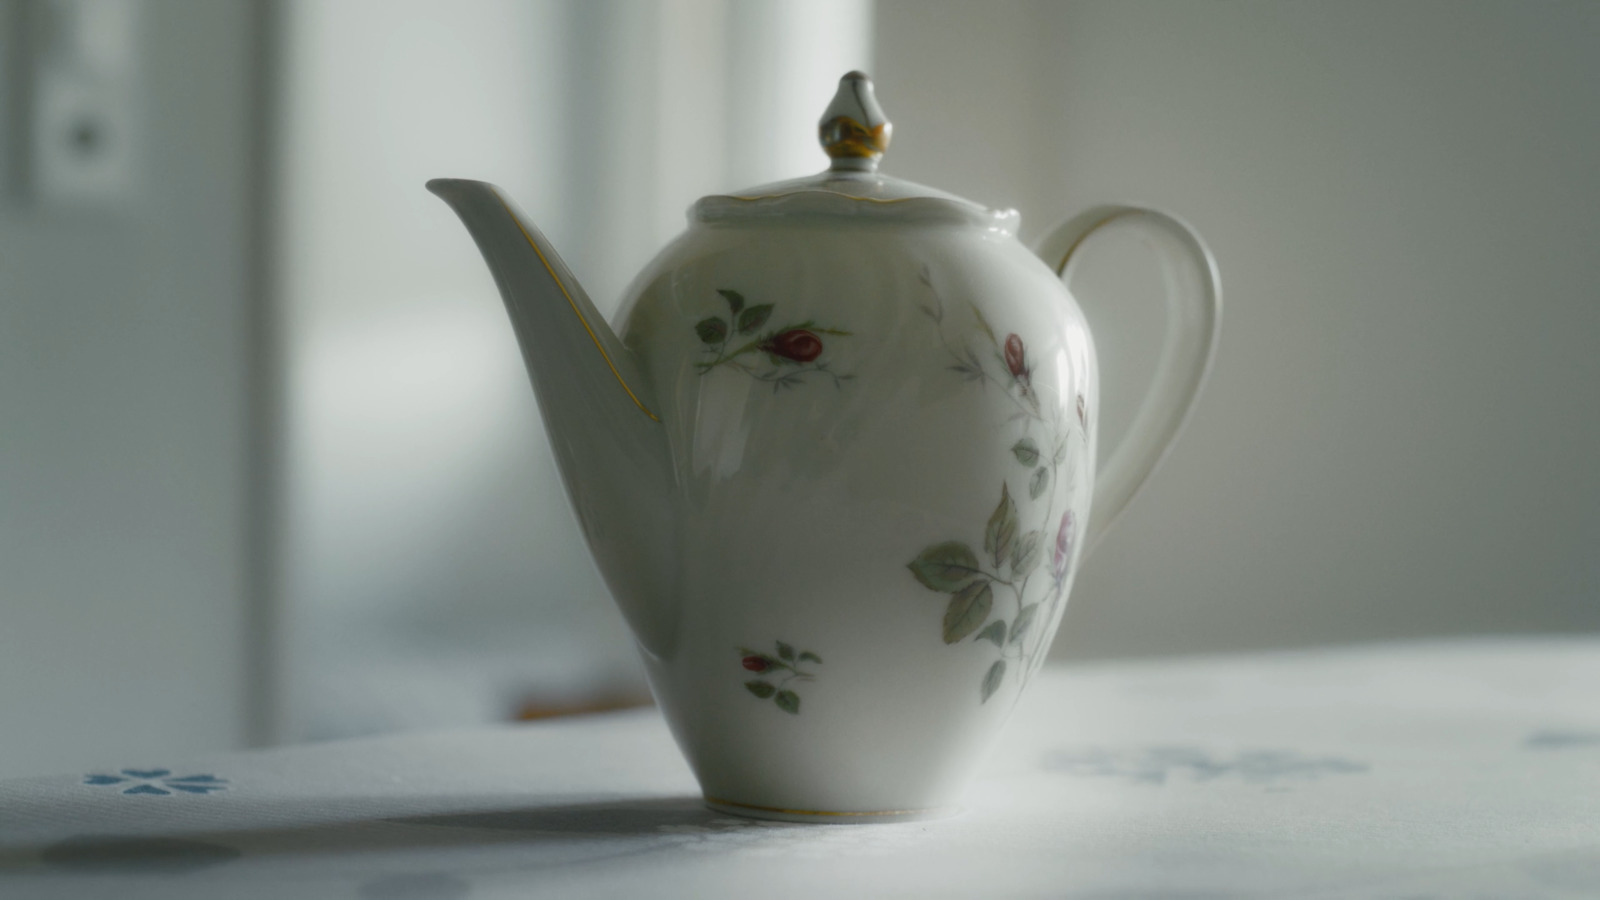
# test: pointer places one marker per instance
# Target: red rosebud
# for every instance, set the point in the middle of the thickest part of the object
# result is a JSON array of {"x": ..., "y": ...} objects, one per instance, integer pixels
[
  {"x": 797, "y": 344},
  {"x": 1015, "y": 360},
  {"x": 756, "y": 663},
  {"x": 1064, "y": 539}
]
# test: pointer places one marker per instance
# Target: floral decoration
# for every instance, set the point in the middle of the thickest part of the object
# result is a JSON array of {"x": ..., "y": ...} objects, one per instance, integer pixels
[
  {"x": 998, "y": 595},
  {"x": 157, "y": 782},
  {"x": 782, "y": 356},
  {"x": 779, "y": 669}
]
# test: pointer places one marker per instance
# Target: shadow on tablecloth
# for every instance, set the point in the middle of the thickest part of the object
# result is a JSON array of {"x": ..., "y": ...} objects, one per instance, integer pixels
[{"x": 551, "y": 835}]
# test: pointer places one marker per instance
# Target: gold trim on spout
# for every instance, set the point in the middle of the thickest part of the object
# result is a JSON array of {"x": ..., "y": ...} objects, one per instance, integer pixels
[{"x": 575, "y": 311}]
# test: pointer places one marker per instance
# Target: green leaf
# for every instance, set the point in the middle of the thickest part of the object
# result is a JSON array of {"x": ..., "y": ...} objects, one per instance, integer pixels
[
  {"x": 786, "y": 651},
  {"x": 808, "y": 655},
  {"x": 1026, "y": 451},
  {"x": 1039, "y": 481},
  {"x": 759, "y": 688},
  {"x": 1023, "y": 622},
  {"x": 788, "y": 701},
  {"x": 969, "y": 608},
  {"x": 946, "y": 567},
  {"x": 734, "y": 298},
  {"x": 1002, "y": 529},
  {"x": 1025, "y": 555},
  {"x": 754, "y": 318},
  {"x": 712, "y": 330},
  {"x": 1061, "y": 451},
  {"x": 991, "y": 681},
  {"x": 996, "y": 632}
]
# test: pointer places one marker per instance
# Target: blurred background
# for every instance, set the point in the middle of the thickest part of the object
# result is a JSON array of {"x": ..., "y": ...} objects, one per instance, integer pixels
[{"x": 270, "y": 469}]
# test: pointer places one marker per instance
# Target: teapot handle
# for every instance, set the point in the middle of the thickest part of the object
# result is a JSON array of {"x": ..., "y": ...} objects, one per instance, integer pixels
[{"x": 1194, "y": 315}]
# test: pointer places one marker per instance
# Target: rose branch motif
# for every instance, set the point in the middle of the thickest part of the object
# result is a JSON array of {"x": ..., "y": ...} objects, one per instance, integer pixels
[
  {"x": 782, "y": 356},
  {"x": 998, "y": 595},
  {"x": 782, "y": 668}
]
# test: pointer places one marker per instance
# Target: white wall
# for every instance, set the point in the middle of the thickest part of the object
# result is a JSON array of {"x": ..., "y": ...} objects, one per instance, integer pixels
[
  {"x": 124, "y": 415},
  {"x": 1401, "y": 432}
]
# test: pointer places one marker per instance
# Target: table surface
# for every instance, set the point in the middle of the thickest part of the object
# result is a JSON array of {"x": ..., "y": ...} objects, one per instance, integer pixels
[{"x": 1448, "y": 769}]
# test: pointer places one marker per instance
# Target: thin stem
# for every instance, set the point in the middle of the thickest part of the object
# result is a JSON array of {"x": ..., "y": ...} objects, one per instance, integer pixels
[
  {"x": 780, "y": 376},
  {"x": 1021, "y": 592},
  {"x": 725, "y": 357},
  {"x": 995, "y": 577},
  {"x": 775, "y": 661},
  {"x": 966, "y": 363}
]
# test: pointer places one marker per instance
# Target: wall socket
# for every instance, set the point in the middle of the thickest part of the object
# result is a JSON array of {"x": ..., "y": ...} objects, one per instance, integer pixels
[{"x": 80, "y": 94}]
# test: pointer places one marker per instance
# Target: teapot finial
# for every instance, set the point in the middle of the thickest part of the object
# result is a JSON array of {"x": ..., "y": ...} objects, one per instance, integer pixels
[{"x": 854, "y": 130}]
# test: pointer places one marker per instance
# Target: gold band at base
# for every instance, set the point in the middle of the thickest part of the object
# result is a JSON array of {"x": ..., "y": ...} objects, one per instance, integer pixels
[{"x": 929, "y": 811}]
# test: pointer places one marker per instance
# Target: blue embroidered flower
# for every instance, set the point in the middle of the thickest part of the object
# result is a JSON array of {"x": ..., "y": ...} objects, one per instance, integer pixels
[{"x": 159, "y": 782}]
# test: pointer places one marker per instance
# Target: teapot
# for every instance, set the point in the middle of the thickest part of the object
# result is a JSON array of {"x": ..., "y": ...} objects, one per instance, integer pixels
[{"x": 835, "y": 463}]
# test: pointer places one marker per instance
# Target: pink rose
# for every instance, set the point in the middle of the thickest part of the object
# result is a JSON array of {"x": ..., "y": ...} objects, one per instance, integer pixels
[
  {"x": 1015, "y": 359},
  {"x": 1064, "y": 538}
]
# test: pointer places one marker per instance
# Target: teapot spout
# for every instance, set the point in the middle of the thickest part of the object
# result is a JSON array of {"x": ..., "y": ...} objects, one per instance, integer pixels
[{"x": 598, "y": 408}]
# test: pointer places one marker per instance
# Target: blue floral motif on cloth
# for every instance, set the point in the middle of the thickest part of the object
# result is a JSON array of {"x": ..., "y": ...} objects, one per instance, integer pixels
[{"x": 158, "y": 782}]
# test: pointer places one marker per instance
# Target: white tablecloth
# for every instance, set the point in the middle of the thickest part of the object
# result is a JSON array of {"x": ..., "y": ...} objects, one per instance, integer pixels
[{"x": 1464, "y": 769}]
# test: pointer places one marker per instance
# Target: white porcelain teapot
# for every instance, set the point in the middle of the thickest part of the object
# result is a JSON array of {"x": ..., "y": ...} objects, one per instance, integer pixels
[{"x": 835, "y": 463}]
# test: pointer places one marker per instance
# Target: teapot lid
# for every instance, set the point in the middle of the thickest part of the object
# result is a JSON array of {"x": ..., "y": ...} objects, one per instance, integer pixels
[{"x": 855, "y": 133}]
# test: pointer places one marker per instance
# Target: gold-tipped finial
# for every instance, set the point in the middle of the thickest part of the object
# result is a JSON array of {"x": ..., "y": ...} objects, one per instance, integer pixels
[{"x": 854, "y": 130}]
